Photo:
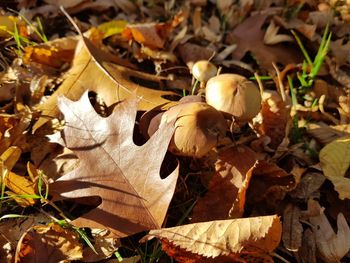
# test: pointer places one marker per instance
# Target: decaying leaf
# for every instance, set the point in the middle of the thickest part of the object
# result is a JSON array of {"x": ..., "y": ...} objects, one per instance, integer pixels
[
  {"x": 224, "y": 237},
  {"x": 332, "y": 246},
  {"x": 309, "y": 184},
  {"x": 95, "y": 70},
  {"x": 50, "y": 244},
  {"x": 250, "y": 37},
  {"x": 292, "y": 228},
  {"x": 233, "y": 172},
  {"x": 133, "y": 196},
  {"x": 307, "y": 252},
  {"x": 335, "y": 161}
]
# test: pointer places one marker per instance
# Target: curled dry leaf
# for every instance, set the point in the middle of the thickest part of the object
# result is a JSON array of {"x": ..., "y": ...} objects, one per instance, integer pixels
[
  {"x": 130, "y": 203},
  {"x": 272, "y": 118},
  {"x": 332, "y": 246},
  {"x": 292, "y": 228},
  {"x": 272, "y": 37},
  {"x": 226, "y": 191},
  {"x": 335, "y": 161},
  {"x": 97, "y": 71},
  {"x": 49, "y": 244},
  {"x": 224, "y": 237}
]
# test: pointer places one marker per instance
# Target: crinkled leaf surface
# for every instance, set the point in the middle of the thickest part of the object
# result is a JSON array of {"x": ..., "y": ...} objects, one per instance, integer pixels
[
  {"x": 125, "y": 176},
  {"x": 335, "y": 161},
  {"x": 224, "y": 237}
]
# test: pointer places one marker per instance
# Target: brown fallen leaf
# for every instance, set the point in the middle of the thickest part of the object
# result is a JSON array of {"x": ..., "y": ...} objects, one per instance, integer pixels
[
  {"x": 96, "y": 70},
  {"x": 226, "y": 187},
  {"x": 11, "y": 230},
  {"x": 250, "y": 37},
  {"x": 224, "y": 237},
  {"x": 307, "y": 252},
  {"x": 292, "y": 228},
  {"x": 153, "y": 35},
  {"x": 332, "y": 246},
  {"x": 335, "y": 161},
  {"x": 269, "y": 185},
  {"x": 49, "y": 244},
  {"x": 133, "y": 196}
]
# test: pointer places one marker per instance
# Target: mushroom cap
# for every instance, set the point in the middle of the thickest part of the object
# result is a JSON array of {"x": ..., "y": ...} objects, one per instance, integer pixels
[
  {"x": 198, "y": 128},
  {"x": 235, "y": 95},
  {"x": 203, "y": 70}
]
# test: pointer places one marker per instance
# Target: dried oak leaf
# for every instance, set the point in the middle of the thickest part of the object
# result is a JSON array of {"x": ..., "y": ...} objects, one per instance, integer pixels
[
  {"x": 332, "y": 246},
  {"x": 335, "y": 161},
  {"x": 224, "y": 237},
  {"x": 226, "y": 191},
  {"x": 249, "y": 36},
  {"x": 125, "y": 176},
  {"x": 104, "y": 73},
  {"x": 49, "y": 244}
]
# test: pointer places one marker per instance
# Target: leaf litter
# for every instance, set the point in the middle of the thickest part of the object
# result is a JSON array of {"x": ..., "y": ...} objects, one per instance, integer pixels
[{"x": 83, "y": 178}]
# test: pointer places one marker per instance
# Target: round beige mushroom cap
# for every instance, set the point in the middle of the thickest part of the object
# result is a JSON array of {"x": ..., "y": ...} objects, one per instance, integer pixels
[
  {"x": 203, "y": 70},
  {"x": 198, "y": 128},
  {"x": 235, "y": 95}
]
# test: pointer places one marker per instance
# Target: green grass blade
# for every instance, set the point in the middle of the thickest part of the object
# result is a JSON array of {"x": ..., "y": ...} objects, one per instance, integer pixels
[{"x": 306, "y": 55}]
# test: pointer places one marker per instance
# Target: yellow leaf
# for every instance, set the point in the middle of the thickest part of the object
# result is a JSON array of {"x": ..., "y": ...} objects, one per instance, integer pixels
[
  {"x": 112, "y": 27},
  {"x": 10, "y": 157},
  {"x": 7, "y": 25},
  {"x": 335, "y": 160},
  {"x": 20, "y": 185}
]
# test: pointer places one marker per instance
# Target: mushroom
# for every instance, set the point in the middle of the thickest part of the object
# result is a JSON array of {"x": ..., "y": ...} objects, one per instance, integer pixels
[
  {"x": 235, "y": 95},
  {"x": 202, "y": 71},
  {"x": 198, "y": 128}
]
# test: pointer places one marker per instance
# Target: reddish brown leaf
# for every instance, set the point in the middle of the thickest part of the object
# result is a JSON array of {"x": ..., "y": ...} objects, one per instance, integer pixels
[
  {"x": 227, "y": 185},
  {"x": 250, "y": 37},
  {"x": 126, "y": 177},
  {"x": 269, "y": 184}
]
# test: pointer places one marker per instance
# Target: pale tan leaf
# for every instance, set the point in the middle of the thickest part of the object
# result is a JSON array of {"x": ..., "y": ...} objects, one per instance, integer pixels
[
  {"x": 224, "y": 237},
  {"x": 332, "y": 246},
  {"x": 335, "y": 161},
  {"x": 125, "y": 176},
  {"x": 98, "y": 71},
  {"x": 328, "y": 133}
]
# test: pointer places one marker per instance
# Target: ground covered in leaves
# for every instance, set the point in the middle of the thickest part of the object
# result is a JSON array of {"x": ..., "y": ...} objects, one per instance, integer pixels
[{"x": 122, "y": 138}]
